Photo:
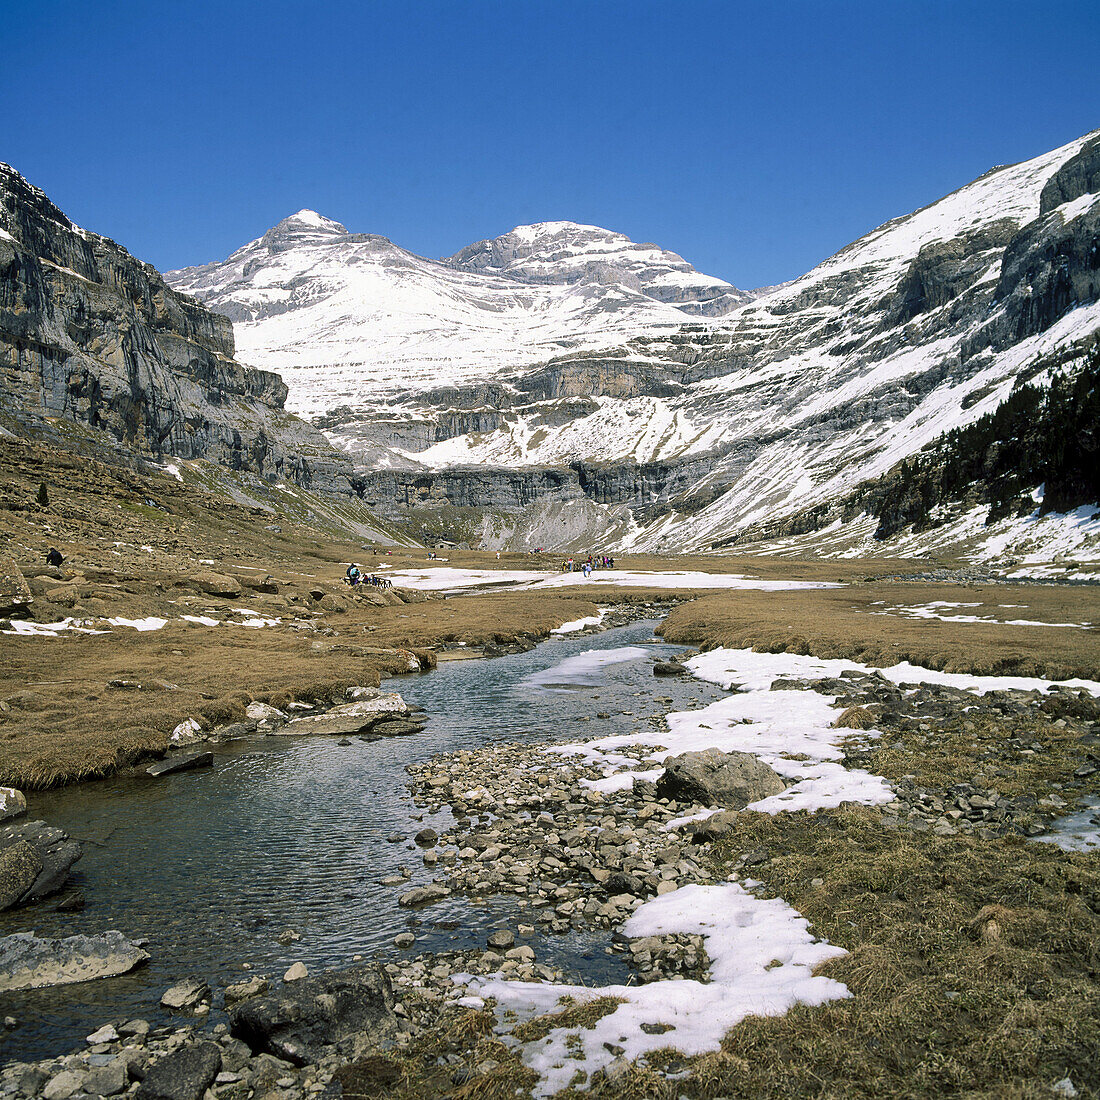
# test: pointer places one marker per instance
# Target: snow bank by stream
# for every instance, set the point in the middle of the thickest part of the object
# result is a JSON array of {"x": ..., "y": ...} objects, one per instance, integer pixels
[{"x": 762, "y": 956}]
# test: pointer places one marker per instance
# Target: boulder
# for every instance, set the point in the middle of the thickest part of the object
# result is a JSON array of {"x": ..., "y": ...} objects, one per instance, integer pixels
[
  {"x": 299, "y": 1020},
  {"x": 186, "y": 994},
  {"x": 15, "y": 596},
  {"x": 423, "y": 895},
  {"x": 180, "y": 762},
  {"x": 216, "y": 584},
  {"x": 354, "y": 717},
  {"x": 241, "y": 991},
  {"x": 715, "y": 778},
  {"x": 30, "y": 962},
  {"x": 188, "y": 732},
  {"x": 670, "y": 668},
  {"x": 55, "y": 849},
  {"x": 20, "y": 865},
  {"x": 12, "y": 803},
  {"x": 185, "y": 1074}
]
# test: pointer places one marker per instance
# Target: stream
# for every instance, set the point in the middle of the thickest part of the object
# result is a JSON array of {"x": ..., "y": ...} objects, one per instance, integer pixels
[{"x": 210, "y": 867}]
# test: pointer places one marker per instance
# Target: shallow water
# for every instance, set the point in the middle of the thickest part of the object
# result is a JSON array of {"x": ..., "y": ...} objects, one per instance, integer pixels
[{"x": 210, "y": 866}]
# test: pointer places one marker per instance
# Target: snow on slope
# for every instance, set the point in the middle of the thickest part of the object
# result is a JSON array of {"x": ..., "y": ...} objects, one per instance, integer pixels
[
  {"x": 565, "y": 252},
  {"x": 787, "y": 401},
  {"x": 349, "y": 318}
]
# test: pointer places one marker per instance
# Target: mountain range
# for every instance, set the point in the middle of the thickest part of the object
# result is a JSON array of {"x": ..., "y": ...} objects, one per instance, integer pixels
[
  {"x": 561, "y": 383},
  {"x": 563, "y": 386}
]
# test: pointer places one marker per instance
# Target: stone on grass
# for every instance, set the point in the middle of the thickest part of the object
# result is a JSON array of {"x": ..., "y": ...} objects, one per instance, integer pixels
[
  {"x": 15, "y": 596},
  {"x": 30, "y": 962},
  {"x": 216, "y": 584},
  {"x": 298, "y": 1021},
  {"x": 184, "y": 1074},
  {"x": 715, "y": 778}
]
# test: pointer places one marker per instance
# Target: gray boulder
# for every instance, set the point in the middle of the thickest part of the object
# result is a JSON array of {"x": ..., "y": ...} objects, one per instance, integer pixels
[
  {"x": 181, "y": 762},
  {"x": 15, "y": 596},
  {"x": 715, "y": 778},
  {"x": 55, "y": 849},
  {"x": 30, "y": 962},
  {"x": 299, "y": 1020},
  {"x": 354, "y": 717},
  {"x": 186, "y": 994},
  {"x": 20, "y": 865},
  {"x": 185, "y": 1074},
  {"x": 13, "y": 803}
]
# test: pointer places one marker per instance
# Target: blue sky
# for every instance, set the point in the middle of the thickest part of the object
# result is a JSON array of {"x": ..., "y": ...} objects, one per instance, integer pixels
[{"x": 754, "y": 139}]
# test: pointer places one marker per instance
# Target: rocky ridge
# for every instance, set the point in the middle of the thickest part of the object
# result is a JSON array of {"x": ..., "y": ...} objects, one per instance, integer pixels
[{"x": 97, "y": 350}]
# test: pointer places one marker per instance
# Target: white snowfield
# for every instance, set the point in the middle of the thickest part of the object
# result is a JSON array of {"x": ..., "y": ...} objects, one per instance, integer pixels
[
  {"x": 448, "y": 578},
  {"x": 150, "y": 622}
]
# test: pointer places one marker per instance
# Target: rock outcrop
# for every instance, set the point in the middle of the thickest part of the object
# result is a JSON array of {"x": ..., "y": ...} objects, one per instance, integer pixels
[{"x": 92, "y": 337}]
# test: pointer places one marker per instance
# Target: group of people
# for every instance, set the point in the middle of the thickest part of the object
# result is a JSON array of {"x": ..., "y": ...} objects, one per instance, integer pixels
[
  {"x": 356, "y": 576},
  {"x": 586, "y": 565}
]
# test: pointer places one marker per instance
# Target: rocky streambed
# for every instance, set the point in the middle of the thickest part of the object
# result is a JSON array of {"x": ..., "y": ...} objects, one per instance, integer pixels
[{"x": 471, "y": 855}]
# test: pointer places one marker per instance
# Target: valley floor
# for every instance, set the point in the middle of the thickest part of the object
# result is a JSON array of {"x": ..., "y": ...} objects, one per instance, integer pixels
[{"x": 968, "y": 953}]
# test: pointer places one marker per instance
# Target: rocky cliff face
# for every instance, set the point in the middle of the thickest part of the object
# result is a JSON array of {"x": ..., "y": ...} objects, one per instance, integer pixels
[{"x": 90, "y": 335}]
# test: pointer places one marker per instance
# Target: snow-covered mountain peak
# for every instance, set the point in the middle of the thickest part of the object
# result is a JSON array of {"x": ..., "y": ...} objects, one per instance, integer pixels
[
  {"x": 564, "y": 252},
  {"x": 305, "y": 227}
]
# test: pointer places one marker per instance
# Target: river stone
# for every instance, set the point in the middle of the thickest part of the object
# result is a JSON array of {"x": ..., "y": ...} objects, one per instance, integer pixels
[
  {"x": 63, "y": 1085},
  {"x": 185, "y": 1074},
  {"x": 29, "y": 962},
  {"x": 423, "y": 895},
  {"x": 298, "y": 1021},
  {"x": 216, "y": 584},
  {"x": 186, "y": 994},
  {"x": 12, "y": 803},
  {"x": 241, "y": 991},
  {"x": 108, "y": 1080},
  {"x": 350, "y": 717},
  {"x": 56, "y": 850},
  {"x": 715, "y": 778},
  {"x": 20, "y": 865},
  {"x": 670, "y": 668},
  {"x": 181, "y": 762}
]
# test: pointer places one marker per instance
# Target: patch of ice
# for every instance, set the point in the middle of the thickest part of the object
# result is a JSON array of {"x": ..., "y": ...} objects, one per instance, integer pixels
[{"x": 580, "y": 670}]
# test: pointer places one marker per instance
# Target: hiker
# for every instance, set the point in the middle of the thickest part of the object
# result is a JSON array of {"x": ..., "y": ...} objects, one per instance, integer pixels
[
  {"x": 353, "y": 574},
  {"x": 54, "y": 558}
]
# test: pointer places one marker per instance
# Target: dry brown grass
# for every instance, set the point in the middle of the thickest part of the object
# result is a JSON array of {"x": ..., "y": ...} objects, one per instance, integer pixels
[{"x": 848, "y": 623}]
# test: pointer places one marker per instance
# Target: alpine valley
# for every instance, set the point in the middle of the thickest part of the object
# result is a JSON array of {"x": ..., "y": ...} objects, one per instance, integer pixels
[{"x": 562, "y": 386}]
